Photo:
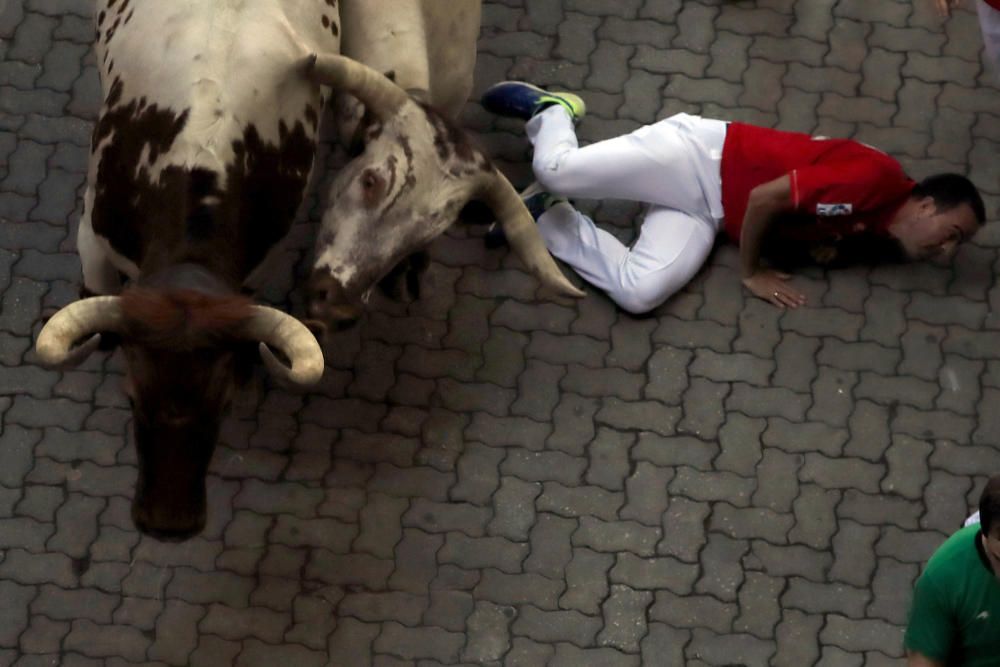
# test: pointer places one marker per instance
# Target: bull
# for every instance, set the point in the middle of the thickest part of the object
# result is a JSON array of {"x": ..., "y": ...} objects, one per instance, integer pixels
[
  {"x": 199, "y": 161},
  {"x": 417, "y": 170}
]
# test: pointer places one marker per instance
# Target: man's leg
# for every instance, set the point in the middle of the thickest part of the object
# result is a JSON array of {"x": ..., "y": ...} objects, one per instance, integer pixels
[
  {"x": 671, "y": 247},
  {"x": 989, "y": 23},
  {"x": 672, "y": 163}
]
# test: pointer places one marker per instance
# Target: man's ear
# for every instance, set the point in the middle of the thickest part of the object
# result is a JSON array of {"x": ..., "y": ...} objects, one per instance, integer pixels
[{"x": 927, "y": 204}]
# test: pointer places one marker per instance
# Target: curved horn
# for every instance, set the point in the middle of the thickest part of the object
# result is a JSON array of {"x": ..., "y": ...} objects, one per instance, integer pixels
[
  {"x": 522, "y": 233},
  {"x": 274, "y": 328},
  {"x": 86, "y": 316},
  {"x": 380, "y": 95}
]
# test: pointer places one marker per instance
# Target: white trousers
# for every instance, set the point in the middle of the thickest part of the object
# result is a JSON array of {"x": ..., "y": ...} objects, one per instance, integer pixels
[
  {"x": 672, "y": 165},
  {"x": 989, "y": 23}
]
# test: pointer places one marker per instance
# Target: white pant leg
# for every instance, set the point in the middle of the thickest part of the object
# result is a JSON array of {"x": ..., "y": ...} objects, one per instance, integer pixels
[
  {"x": 671, "y": 247},
  {"x": 989, "y": 23},
  {"x": 673, "y": 163}
]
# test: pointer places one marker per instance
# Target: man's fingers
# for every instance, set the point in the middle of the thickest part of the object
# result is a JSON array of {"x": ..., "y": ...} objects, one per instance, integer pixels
[
  {"x": 782, "y": 275},
  {"x": 790, "y": 298}
]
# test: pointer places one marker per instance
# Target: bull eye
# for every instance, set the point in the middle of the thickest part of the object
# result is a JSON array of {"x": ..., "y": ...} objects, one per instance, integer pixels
[{"x": 372, "y": 186}]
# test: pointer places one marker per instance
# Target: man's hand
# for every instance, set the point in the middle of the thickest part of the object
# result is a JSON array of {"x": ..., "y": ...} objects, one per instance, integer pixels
[
  {"x": 773, "y": 286},
  {"x": 944, "y": 7}
]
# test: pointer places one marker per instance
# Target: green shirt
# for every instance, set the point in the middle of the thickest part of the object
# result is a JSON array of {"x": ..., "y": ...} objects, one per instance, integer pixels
[{"x": 955, "y": 617}]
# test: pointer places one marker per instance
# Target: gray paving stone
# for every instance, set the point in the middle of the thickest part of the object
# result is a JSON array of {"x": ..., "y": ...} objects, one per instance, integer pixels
[
  {"x": 520, "y": 589},
  {"x": 544, "y": 466},
  {"x": 691, "y": 611},
  {"x": 43, "y": 636},
  {"x": 449, "y": 609},
  {"x": 654, "y": 573},
  {"x": 473, "y": 553},
  {"x": 513, "y": 509},
  {"x": 538, "y": 391},
  {"x": 715, "y": 649},
  {"x": 76, "y": 525},
  {"x": 351, "y": 569},
  {"x": 205, "y": 588},
  {"x": 405, "y": 608},
  {"x": 579, "y": 501},
  {"x": 14, "y": 603},
  {"x": 892, "y": 588},
  {"x": 526, "y": 652},
  {"x": 257, "y": 653},
  {"x": 214, "y": 651},
  {"x": 624, "y": 618},
  {"x": 867, "y": 634},
  {"x": 609, "y": 459},
  {"x": 556, "y": 626},
  {"x": 761, "y": 402},
  {"x": 489, "y": 637},
  {"x": 795, "y": 359},
  {"x": 477, "y": 474},
  {"x": 750, "y": 522},
  {"x": 419, "y": 642},
  {"x": 352, "y": 642},
  {"x": 176, "y": 632},
  {"x": 550, "y": 545},
  {"x": 703, "y": 408},
  {"x": 621, "y": 536},
  {"x": 106, "y": 641}
]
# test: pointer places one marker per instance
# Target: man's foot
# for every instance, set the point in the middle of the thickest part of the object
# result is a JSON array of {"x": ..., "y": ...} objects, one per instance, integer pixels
[
  {"x": 536, "y": 200},
  {"x": 518, "y": 99}
]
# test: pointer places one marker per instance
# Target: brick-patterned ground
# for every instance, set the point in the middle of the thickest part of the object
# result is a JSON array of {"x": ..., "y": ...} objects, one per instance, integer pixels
[{"x": 487, "y": 479}]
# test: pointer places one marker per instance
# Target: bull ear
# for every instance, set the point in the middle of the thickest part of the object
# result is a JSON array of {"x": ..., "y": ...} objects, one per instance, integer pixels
[
  {"x": 380, "y": 95},
  {"x": 522, "y": 232}
]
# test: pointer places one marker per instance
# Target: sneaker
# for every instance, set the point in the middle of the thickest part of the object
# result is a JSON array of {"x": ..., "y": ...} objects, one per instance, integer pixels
[
  {"x": 518, "y": 99},
  {"x": 536, "y": 200}
]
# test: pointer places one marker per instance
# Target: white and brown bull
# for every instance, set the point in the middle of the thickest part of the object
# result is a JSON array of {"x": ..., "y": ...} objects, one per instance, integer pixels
[
  {"x": 418, "y": 169},
  {"x": 199, "y": 161}
]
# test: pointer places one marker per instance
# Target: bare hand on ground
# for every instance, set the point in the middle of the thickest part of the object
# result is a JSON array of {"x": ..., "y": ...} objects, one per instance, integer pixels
[{"x": 773, "y": 286}]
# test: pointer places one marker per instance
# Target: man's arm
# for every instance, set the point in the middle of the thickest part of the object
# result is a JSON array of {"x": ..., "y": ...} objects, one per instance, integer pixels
[
  {"x": 765, "y": 203},
  {"x": 915, "y": 659}
]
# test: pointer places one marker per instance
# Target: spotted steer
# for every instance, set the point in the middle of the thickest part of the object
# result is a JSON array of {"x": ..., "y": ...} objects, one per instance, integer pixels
[
  {"x": 418, "y": 169},
  {"x": 199, "y": 161}
]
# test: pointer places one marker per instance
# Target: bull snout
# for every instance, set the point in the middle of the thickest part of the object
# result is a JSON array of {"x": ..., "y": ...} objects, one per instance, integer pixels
[
  {"x": 166, "y": 523},
  {"x": 329, "y": 303}
]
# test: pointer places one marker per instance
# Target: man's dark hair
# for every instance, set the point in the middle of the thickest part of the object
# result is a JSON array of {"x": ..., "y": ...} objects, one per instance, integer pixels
[
  {"x": 949, "y": 191},
  {"x": 989, "y": 505}
]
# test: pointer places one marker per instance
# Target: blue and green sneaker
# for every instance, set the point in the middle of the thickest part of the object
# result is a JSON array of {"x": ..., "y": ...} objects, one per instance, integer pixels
[
  {"x": 518, "y": 99},
  {"x": 536, "y": 200}
]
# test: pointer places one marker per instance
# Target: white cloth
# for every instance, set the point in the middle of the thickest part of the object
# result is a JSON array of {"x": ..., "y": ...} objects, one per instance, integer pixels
[
  {"x": 989, "y": 23},
  {"x": 673, "y": 165},
  {"x": 972, "y": 519}
]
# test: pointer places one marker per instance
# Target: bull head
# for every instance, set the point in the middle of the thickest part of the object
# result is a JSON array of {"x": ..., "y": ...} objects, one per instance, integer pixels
[
  {"x": 183, "y": 351},
  {"x": 415, "y": 175}
]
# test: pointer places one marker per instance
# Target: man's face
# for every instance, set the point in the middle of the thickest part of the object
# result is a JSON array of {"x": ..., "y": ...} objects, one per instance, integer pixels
[
  {"x": 991, "y": 545},
  {"x": 932, "y": 234}
]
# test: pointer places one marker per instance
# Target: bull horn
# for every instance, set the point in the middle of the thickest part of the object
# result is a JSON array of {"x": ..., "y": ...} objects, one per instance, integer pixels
[
  {"x": 522, "y": 233},
  {"x": 379, "y": 95},
  {"x": 92, "y": 315},
  {"x": 274, "y": 328}
]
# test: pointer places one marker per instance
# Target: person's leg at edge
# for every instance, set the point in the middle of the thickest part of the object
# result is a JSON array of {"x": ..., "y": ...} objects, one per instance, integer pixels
[
  {"x": 989, "y": 23},
  {"x": 671, "y": 248}
]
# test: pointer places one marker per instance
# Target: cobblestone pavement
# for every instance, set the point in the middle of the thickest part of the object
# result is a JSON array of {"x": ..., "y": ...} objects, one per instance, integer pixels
[{"x": 487, "y": 479}]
